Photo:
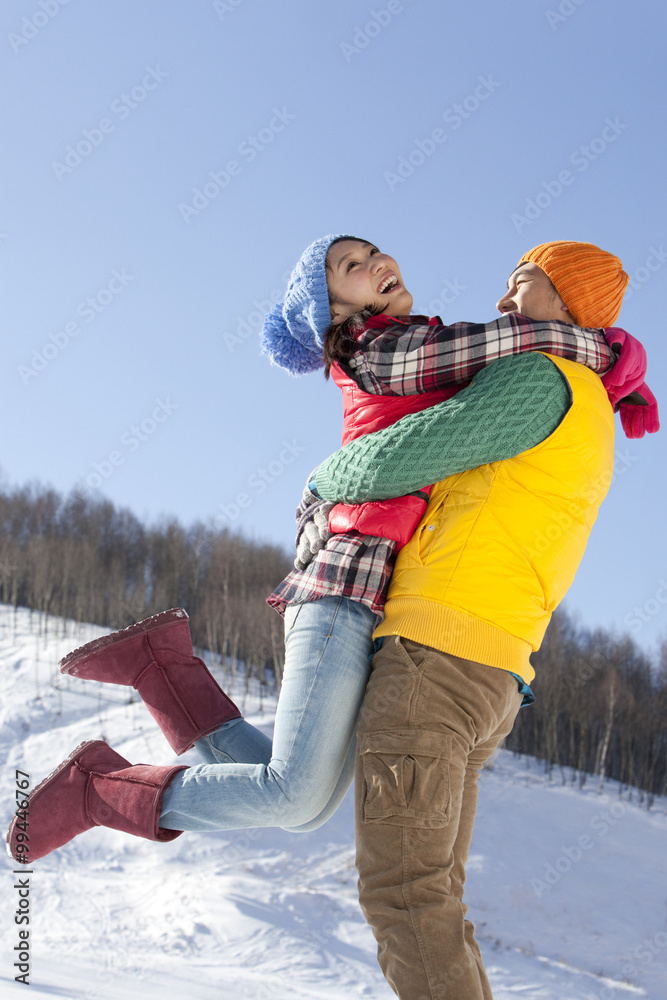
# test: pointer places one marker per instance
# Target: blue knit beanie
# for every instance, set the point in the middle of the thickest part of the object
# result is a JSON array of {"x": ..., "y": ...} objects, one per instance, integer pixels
[{"x": 293, "y": 332}]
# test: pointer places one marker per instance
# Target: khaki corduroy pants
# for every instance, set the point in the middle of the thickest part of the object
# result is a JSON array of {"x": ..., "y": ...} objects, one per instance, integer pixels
[{"x": 429, "y": 723}]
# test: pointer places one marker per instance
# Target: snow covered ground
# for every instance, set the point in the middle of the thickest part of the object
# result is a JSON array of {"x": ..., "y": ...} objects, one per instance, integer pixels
[{"x": 567, "y": 888}]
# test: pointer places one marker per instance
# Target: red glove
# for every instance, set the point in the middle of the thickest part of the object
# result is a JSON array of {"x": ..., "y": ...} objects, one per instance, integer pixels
[
  {"x": 640, "y": 418},
  {"x": 629, "y": 371}
]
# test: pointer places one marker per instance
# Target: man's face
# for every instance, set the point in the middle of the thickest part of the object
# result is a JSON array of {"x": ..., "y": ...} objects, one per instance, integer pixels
[
  {"x": 359, "y": 275},
  {"x": 530, "y": 292}
]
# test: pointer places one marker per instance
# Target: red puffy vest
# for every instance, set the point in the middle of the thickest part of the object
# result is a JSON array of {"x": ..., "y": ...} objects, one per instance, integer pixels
[{"x": 363, "y": 413}]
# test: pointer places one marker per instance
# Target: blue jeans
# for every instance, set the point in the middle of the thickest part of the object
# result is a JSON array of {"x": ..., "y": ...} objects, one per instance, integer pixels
[{"x": 298, "y": 781}]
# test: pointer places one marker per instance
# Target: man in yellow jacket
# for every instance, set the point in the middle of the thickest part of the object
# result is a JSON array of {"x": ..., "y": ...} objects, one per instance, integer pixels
[{"x": 470, "y": 598}]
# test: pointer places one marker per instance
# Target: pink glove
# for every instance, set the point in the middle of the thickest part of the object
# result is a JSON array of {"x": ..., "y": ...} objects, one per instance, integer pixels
[
  {"x": 639, "y": 419},
  {"x": 629, "y": 370}
]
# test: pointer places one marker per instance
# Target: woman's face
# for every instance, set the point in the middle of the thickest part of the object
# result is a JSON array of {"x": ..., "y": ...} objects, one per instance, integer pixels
[{"x": 358, "y": 276}]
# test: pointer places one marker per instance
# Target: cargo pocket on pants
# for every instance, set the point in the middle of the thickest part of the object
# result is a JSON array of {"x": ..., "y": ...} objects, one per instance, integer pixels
[{"x": 406, "y": 778}]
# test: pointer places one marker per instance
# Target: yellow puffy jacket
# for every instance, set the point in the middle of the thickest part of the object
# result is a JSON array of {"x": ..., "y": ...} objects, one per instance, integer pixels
[{"x": 499, "y": 545}]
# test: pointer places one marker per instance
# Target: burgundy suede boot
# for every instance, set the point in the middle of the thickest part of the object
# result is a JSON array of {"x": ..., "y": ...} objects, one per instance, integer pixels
[
  {"x": 95, "y": 786},
  {"x": 155, "y": 656}
]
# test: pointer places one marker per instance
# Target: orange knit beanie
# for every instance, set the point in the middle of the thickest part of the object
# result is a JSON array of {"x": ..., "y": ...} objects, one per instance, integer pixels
[{"x": 590, "y": 281}]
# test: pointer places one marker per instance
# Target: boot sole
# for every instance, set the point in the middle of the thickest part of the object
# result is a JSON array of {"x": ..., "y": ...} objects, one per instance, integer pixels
[
  {"x": 68, "y": 664},
  {"x": 77, "y": 752}
]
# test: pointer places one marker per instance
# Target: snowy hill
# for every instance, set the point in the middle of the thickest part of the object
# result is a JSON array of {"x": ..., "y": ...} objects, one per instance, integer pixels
[{"x": 567, "y": 888}]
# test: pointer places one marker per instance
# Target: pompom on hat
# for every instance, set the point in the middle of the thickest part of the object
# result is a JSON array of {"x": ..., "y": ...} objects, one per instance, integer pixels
[
  {"x": 590, "y": 281},
  {"x": 293, "y": 332}
]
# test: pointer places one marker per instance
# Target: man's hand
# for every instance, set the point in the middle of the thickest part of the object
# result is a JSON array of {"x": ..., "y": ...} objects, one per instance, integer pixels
[{"x": 630, "y": 369}]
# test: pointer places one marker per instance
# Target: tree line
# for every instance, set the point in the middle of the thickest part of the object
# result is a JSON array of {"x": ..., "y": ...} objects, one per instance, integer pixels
[
  {"x": 600, "y": 709},
  {"x": 601, "y": 703},
  {"x": 82, "y": 558}
]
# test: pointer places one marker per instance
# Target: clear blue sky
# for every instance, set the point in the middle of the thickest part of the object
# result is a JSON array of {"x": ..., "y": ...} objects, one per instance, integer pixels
[{"x": 131, "y": 305}]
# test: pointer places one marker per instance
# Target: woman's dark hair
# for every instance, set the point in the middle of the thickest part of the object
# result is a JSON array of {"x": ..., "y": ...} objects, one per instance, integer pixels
[{"x": 340, "y": 340}]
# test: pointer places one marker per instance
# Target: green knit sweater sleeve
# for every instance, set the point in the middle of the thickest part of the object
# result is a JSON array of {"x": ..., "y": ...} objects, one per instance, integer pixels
[{"x": 510, "y": 406}]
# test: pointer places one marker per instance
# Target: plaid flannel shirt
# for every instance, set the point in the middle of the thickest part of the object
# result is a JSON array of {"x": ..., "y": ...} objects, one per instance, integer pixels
[
  {"x": 415, "y": 355},
  {"x": 406, "y": 357},
  {"x": 349, "y": 565}
]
